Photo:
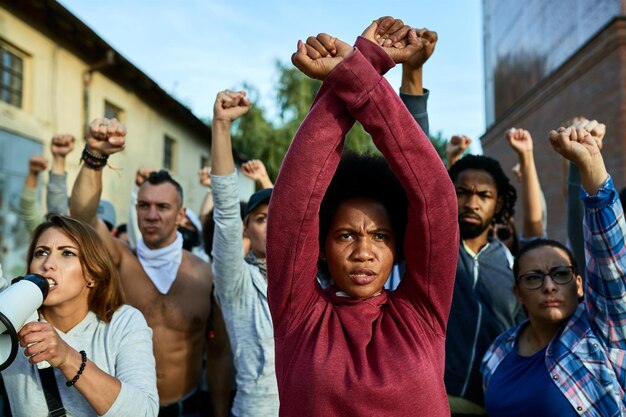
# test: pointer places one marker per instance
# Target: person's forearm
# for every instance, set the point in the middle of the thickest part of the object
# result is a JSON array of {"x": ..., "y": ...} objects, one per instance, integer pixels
[
  {"x": 265, "y": 182},
  {"x": 86, "y": 195},
  {"x": 593, "y": 176},
  {"x": 207, "y": 206},
  {"x": 292, "y": 228},
  {"x": 411, "y": 80},
  {"x": 219, "y": 364},
  {"x": 229, "y": 267},
  {"x": 219, "y": 381},
  {"x": 29, "y": 209},
  {"x": 96, "y": 386},
  {"x": 605, "y": 284},
  {"x": 56, "y": 193},
  {"x": 222, "y": 162},
  {"x": 58, "y": 164},
  {"x": 531, "y": 197},
  {"x": 451, "y": 159},
  {"x": 417, "y": 105},
  {"x": 31, "y": 180}
]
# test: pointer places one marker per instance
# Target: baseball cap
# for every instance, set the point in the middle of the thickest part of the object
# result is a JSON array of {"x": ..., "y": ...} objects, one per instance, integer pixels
[
  {"x": 260, "y": 197},
  {"x": 106, "y": 212}
]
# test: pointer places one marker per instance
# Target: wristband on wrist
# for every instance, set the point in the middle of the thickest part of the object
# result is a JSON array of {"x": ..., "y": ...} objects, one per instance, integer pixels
[
  {"x": 92, "y": 161},
  {"x": 83, "y": 363}
]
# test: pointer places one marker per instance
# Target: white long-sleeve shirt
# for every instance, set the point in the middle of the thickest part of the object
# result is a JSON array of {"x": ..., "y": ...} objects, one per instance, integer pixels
[{"x": 121, "y": 348}]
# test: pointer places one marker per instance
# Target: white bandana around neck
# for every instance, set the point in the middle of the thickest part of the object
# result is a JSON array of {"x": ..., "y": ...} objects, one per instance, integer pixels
[{"x": 161, "y": 265}]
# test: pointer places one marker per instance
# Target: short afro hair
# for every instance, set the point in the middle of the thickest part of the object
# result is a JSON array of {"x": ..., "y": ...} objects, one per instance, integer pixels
[
  {"x": 365, "y": 176},
  {"x": 503, "y": 185}
]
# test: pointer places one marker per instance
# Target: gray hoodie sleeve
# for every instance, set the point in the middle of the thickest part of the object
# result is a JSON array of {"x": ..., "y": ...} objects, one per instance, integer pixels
[
  {"x": 229, "y": 267},
  {"x": 56, "y": 193}
]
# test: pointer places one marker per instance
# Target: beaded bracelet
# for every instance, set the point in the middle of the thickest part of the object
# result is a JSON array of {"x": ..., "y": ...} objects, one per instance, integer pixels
[
  {"x": 80, "y": 370},
  {"x": 92, "y": 161}
]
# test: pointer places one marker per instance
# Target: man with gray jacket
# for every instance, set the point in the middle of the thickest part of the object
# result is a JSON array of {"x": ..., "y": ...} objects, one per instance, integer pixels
[{"x": 483, "y": 304}]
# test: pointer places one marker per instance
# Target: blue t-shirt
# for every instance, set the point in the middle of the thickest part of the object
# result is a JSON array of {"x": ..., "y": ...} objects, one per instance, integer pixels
[{"x": 521, "y": 386}]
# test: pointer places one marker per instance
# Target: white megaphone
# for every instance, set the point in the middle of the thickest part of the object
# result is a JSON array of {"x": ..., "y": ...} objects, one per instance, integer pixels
[{"x": 18, "y": 304}]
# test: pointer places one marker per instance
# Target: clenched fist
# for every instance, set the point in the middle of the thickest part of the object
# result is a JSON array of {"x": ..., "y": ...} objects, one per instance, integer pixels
[
  {"x": 37, "y": 164},
  {"x": 61, "y": 145},
  {"x": 106, "y": 137}
]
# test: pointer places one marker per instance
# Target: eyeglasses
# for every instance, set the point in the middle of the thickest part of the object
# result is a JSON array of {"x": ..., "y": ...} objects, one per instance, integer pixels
[{"x": 560, "y": 275}]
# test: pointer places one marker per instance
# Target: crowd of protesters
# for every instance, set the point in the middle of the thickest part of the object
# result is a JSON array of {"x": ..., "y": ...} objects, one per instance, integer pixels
[{"x": 359, "y": 285}]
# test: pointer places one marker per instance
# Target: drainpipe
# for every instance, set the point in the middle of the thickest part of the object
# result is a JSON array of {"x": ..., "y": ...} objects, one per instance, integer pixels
[{"x": 87, "y": 78}]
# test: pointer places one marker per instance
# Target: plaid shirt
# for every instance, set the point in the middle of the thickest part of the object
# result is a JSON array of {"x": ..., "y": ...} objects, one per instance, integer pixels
[{"x": 587, "y": 359}]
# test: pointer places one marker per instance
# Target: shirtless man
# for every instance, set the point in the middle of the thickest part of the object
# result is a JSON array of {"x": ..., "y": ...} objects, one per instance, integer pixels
[{"x": 176, "y": 305}]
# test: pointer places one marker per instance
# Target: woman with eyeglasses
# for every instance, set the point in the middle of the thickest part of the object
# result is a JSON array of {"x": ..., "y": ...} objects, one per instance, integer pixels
[{"x": 569, "y": 357}]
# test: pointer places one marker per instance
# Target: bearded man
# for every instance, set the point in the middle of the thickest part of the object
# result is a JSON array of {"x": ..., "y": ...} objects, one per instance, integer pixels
[{"x": 483, "y": 305}]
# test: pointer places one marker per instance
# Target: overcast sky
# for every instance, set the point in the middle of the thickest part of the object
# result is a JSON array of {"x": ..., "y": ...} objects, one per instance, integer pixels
[{"x": 195, "y": 48}]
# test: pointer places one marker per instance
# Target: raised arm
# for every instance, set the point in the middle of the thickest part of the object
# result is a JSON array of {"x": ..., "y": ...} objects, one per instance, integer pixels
[
  {"x": 255, "y": 170},
  {"x": 229, "y": 106},
  {"x": 56, "y": 191},
  {"x": 228, "y": 257},
  {"x": 219, "y": 363},
  {"x": 575, "y": 207},
  {"x": 457, "y": 145},
  {"x": 318, "y": 145},
  {"x": 412, "y": 93},
  {"x": 391, "y": 32},
  {"x": 432, "y": 232},
  {"x": 204, "y": 177},
  {"x": 604, "y": 227},
  {"x": 521, "y": 142},
  {"x": 30, "y": 210},
  {"x": 104, "y": 138},
  {"x": 293, "y": 222}
]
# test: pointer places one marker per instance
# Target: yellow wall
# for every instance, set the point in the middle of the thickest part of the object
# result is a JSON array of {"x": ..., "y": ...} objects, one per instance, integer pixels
[{"x": 52, "y": 103}]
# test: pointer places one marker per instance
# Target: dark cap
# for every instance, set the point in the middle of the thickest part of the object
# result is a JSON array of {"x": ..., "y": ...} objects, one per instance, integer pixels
[
  {"x": 106, "y": 212},
  {"x": 260, "y": 197}
]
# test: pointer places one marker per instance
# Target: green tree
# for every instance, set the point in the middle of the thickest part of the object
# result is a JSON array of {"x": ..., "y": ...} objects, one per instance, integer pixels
[{"x": 439, "y": 143}]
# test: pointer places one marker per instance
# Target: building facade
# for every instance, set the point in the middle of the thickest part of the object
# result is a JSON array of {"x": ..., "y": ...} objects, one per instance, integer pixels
[
  {"x": 546, "y": 62},
  {"x": 57, "y": 75}
]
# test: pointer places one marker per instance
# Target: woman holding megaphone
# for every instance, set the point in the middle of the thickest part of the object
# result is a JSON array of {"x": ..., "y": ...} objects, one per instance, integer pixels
[{"x": 99, "y": 349}]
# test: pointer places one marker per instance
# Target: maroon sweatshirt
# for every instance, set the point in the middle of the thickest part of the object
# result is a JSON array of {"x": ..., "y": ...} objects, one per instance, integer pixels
[{"x": 338, "y": 356}]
